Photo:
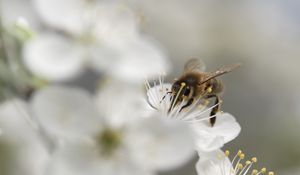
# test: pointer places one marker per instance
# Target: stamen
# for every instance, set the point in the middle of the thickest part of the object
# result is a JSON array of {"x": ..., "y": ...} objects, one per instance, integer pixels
[
  {"x": 171, "y": 106},
  {"x": 262, "y": 171},
  {"x": 239, "y": 168},
  {"x": 177, "y": 96}
]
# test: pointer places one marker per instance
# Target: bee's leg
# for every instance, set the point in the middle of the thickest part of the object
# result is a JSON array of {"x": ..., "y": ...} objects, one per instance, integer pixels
[
  {"x": 189, "y": 102},
  {"x": 214, "y": 109}
]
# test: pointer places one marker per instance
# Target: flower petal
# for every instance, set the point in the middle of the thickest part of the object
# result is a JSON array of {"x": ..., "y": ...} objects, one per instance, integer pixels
[
  {"x": 215, "y": 163},
  {"x": 65, "y": 112},
  {"x": 120, "y": 103},
  {"x": 155, "y": 95},
  {"x": 19, "y": 141},
  {"x": 53, "y": 57},
  {"x": 142, "y": 58},
  {"x": 66, "y": 15},
  {"x": 161, "y": 144},
  {"x": 115, "y": 23},
  {"x": 14, "y": 114},
  {"x": 81, "y": 158},
  {"x": 131, "y": 61},
  {"x": 210, "y": 138}
]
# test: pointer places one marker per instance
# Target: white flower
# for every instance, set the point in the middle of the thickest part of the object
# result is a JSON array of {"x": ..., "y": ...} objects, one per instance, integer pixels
[
  {"x": 207, "y": 137},
  {"x": 103, "y": 34},
  {"x": 218, "y": 163},
  {"x": 21, "y": 150},
  {"x": 108, "y": 136}
]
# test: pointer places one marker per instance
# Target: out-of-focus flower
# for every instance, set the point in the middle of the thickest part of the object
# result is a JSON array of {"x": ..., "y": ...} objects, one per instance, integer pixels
[
  {"x": 102, "y": 35},
  {"x": 21, "y": 150},
  {"x": 109, "y": 137},
  {"x": 218, "y": 163},
  {"x": 207, "y": 138}
]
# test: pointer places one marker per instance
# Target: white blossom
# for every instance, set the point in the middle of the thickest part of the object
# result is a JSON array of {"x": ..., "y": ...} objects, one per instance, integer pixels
[
  {"x": 104, "y": 35},
  {"x": 207, "y": 137},
  {"x": 108, "y": 135},
  {"x": 218, "y": 163}
]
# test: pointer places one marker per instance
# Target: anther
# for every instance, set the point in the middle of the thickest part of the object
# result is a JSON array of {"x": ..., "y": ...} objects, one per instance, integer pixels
[
  {"x": 240, "y": 166},
  {"x": 254, "y": 159},
  {"x": 254, "y": 172},
  {"x": 239, "y": 152},
  {"x": 248, "y": 162},
  {"x": 227, "y": 153},
  {"x": 271, "y": 173},
  {"x": 263, "y": 170},
  {"x": 209, "y": 89},
  {"x": 242, "y": 156}
]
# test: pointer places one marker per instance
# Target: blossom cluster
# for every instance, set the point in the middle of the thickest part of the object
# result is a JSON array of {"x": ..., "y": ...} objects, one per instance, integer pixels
[{"x": 51, "y": 124}]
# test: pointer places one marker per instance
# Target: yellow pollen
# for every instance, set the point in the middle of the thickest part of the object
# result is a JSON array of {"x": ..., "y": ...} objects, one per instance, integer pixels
[
  {"x": 183, "y": 84},
  {"x": 239, "y": 152},
  {"x": 254, "y": 172},
  {"x": 248, "y": 162},
  {"x": 242, "y": 156},
  {"x": 209, "y": 89},
  {"x": 227, "y": 153},
  {"x": 263, "y": 170},
  {"x": 271, "y": 173},
  {"x": 240, "y": 166},
  {"x": 254, "y": 159},
  {"x": 206, "y": 102}
]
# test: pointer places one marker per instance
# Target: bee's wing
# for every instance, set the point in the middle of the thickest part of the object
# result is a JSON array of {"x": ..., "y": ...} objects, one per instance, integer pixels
[
  {"x": 194, "y": 65},
  {"x": 221, "y": 71}
]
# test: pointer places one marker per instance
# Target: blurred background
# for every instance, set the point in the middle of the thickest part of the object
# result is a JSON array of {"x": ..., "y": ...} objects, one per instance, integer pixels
[{"x": 263, "y": 35}]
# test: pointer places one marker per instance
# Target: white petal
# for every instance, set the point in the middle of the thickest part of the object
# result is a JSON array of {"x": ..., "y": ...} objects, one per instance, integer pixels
[
  {"x": 65, "y": 112},
  {"x": 211, "y": 138},
  {"x": 65, "y": 15},
  {"x": 53, "y": 57},
  {"x": 142, "y": 58},
  {"x": 14, "y": 114},
  {"x": 115, "y": 23},
  {"x": 161, "y": 144},
  {"x": 156, "y": 94},
  {"x": 213, "y": 163},
  {"x": 132, "y": 61},
  {"x": 82, "y": 159},
  {"x": 19, "y": 141},
  {"x": 120, "y": 103}
]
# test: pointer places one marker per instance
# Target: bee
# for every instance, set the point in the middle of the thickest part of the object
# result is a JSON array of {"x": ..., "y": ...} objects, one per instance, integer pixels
[{"x": 195, "y": 83}]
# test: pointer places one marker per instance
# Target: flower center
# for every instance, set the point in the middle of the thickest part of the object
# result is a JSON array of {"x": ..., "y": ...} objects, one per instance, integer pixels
[
  {"x": 161, "y": 97},
  {"x": 109, "y": 140}
]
